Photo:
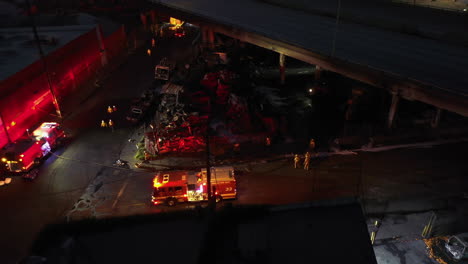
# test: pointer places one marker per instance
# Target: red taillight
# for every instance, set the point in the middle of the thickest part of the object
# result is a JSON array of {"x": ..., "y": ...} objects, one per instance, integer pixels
[{"x": 216, "y": 193}]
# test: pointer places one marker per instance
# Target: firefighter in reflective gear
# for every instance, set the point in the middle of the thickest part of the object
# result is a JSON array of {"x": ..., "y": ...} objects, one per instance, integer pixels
[
  {"x": 153, "y": 43},
  {"x": 297, "y": 160},
  {"x": 236, "y": 149},
  {"x": 307, "y": 160},
  {"x": 114, "y": 109},
  {"x": 109, "y": 110},
  {"x": 312, "y": 145},
  {"x": 268, "y": 142},
  {"x": 149, "y": 52},
  {"x": 111, "y": 125},
  {"x": 103, "y": 123},
  {"x": 147, "y": 156}
]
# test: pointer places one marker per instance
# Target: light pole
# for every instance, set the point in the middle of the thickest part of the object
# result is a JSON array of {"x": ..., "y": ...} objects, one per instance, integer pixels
[{"x": 44, "y": 63}]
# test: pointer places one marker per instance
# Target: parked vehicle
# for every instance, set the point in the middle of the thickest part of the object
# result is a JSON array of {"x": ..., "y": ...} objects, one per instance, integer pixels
[
  {"x": 22, "y": 155},
  {"x": 51, "y": 132},
  {"x": 179, "y": 32},
  {"x": 457, "y": 247},
  {"x": 135, "y": 115},
  {"x": 175, "y": 187},
  {"x": 164, "y": 69}
]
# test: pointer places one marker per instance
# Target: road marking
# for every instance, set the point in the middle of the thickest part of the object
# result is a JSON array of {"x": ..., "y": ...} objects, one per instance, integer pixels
[
  {"x": 137, "y": 204},
  {"x": 120, "y": 193}
]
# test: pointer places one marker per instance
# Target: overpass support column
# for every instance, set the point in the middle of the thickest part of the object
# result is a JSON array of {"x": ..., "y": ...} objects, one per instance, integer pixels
[
  {"x": 318, "y": 72},
  {"x": 436, "y": 119},
  {"x": 153, "y": 17},
  {"x": 393, "y": 108},
  {"x": 210, "y": 37},
  {"x": 207, "y": 36},
  {"x": 282, "y": 67}
]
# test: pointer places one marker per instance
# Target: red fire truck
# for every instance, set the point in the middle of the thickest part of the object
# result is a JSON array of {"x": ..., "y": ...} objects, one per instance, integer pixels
[
  {"x": 172, "y": 187},
  {"x": 21, "y": 155}
]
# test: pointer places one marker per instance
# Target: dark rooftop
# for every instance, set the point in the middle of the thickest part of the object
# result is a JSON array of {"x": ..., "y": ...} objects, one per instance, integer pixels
[{"x": 317, "y": 232}]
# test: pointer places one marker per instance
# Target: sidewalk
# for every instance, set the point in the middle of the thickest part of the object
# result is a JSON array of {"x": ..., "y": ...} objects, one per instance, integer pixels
[{"x": 254, "y": 154}]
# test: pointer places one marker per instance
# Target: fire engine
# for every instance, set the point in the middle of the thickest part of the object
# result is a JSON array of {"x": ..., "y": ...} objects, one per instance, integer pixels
[
  {"x": 23, "y": 154},
  {"x": 172, "y": 187}
]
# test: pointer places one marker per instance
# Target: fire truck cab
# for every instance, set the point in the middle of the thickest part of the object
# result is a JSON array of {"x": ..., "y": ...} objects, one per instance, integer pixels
[
  {"x": 51, "y": 132},
  {"x": 21, "y": 155},
  {"x": 175, "y": 187}
]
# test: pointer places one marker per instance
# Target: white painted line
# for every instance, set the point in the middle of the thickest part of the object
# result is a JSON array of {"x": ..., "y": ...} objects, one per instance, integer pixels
[{"x": 120, "y": 193}]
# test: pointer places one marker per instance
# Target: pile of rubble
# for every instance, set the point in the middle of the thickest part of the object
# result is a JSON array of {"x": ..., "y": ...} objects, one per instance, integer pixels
[{"x": 175, "y": 130}]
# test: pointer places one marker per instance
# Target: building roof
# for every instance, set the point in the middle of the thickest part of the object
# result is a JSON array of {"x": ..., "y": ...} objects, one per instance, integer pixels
[
  {"x": 18, "y": 48},
  {"x": 319, "y": 232}
]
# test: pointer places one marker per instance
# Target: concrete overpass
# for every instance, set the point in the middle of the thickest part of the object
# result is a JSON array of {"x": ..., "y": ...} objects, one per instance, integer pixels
[{"x": 408, "y": 66}]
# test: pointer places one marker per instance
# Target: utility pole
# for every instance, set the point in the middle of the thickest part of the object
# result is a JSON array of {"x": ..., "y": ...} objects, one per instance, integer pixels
[
  {"x": 2, "y": 121},
  {"x": 336, "y": 27},
  {"x": 208, "y": 165},
  {"x": 42, "y": 58}
]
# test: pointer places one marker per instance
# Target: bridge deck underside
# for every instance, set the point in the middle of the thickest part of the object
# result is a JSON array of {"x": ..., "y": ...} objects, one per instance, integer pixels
[{"x": 439, "y": 66}]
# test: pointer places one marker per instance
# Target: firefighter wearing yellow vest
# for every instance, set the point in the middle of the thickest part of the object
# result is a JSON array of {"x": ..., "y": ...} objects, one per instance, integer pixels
[
  {"x": 297, "y": 160},
  {"x": 103, "y": 123},
  {"x": 109, "y": 110},
  {"x": 111, "y": 125},
  {"x": 307, "y": 160},
  {"x": 312, "y": 145}
]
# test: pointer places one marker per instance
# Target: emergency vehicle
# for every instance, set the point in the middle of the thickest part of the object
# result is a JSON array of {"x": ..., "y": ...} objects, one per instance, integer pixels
[
  {"x": 163, "y": 70},
  {"x": 23, "y": 154},
  {"x": 172, "y": 187}
]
